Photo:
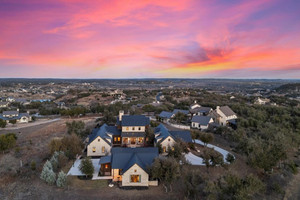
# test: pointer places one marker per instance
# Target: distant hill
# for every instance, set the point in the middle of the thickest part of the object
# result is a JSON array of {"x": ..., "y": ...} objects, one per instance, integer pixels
[{"x": 289, "y": 88}]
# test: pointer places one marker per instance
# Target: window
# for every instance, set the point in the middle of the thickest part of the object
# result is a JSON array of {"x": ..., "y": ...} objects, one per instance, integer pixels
[
  {"x": 94, "y": 149},
  {"x": 115, "y": 139},
  {"x": 127, "y": 128},
  {"x": 141, "y": 140},
  {"x": 135, "y": 178},
  {"x": 164, "y": 149},
  {"x": 98, "y": 140},
  {"x": 103, "y": 149},
  {"x": 133, "y": 128},
  {"x": 119, "y": 139},
  {"x": 125, "y": 140},
  {"x": 169, "y": 139},
  {"x": 140, "y": 128}
]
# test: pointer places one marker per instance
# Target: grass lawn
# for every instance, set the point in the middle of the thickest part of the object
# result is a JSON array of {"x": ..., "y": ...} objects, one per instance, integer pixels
[{"x": 75, "y": 182}]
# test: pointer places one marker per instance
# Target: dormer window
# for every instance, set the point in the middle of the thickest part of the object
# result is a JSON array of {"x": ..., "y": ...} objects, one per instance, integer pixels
[
  {"x": 127, "y": 128},
  {"x": 133, "y": 128},
  {"x": 140, "y": 128}
]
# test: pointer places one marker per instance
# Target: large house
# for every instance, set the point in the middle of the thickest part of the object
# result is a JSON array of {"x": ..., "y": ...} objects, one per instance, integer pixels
[
  {"x": 10, "y": 116},
  {"x": 129, "y": 165},
  {"x": 201, "y": 122},
  {"x": 133, "y": 129},
  {"x": 167, "y": 138},
  {"x": 129, "y": 132}
]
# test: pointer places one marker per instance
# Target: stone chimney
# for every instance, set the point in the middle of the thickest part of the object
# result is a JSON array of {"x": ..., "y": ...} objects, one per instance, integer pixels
[
  {"x": 218, "y": 108},
  {"x": 121, "y": 113}
]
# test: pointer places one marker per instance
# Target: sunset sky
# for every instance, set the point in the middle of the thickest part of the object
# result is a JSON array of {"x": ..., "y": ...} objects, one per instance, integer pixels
[{"x": 150, "y": 38}]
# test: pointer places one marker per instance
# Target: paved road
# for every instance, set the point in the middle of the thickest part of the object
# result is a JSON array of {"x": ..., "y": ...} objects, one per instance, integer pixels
[{"x": 20, "y": 126}]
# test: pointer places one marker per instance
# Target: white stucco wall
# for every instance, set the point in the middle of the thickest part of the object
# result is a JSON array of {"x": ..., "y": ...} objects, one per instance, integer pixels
[
  {"x": 98, "y": 146},
  {"x": 166, "y": 143},
  {"x": 136, "y": 128},
  {"x": 135, "y": 170}
]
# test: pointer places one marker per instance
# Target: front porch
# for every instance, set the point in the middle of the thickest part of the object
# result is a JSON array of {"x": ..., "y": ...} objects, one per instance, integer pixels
[{"x": 133, "y": 141}]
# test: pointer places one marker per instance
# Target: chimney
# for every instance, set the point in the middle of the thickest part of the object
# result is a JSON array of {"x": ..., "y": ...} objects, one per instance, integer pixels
[
  {"x": 18, "y": 109},
  {"x": 121, "y": 113},
  {"x": 195, "y": 101},
  {"x": 218, "y": 108}
]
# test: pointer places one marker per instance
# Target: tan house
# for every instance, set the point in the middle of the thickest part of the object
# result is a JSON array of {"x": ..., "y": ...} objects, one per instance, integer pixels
[
  {"x": 223, "y": 115},
  {"x": 129, "y": 165},
  {"x": 10, "y": 116}
]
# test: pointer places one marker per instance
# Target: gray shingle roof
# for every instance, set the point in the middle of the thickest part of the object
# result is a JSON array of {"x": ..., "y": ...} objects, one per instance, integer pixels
[
  {"x": 103, "y": 133},
  {"x": 201, "y": 110},
  {"x": 124, "y": 158},
  {"x": 135, "y": 120},
  {"x": 12, "y": 112},
  {"x": 162, "y": 133},
  {"x": 175, "y": 111},
  {"x": 227, "y": 111},
  {"x": 202, "y": 120},
  {"x": 165, "y": 114},
  {"x": 183, "y": 135}
]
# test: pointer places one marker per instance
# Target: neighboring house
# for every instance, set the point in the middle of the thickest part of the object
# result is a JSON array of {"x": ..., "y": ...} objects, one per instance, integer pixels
[
  {"x": 166, "y": 116},
  {"x": 10, "y": 99},
  {"x": 129, "y": 165},
  {"x": 224, "y": 115},
  {"x": 4, "y": 104},
  {"x": 102, "y": 139},
  {"x": 261, "y": 101},
  {"x": 175, "y": 111},
  {"x": 133, "y": 129},
  {"x": 22, "y": 101},
  {"x": 167, "y": 138},
  {"x": 194, "y": 105},
  {"x": 201, "y": 111},
  {"x": 201, "y": 122},
  {"x": 15, "y": 115}
]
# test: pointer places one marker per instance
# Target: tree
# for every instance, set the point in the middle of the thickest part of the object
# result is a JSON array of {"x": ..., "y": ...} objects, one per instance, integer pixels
[
  {"x": 193, "y": 183},
  {"x": 2, "y": 123},
  {"x": 195, "y": 134},
  {"x": 48, "y": 174},
  {"x": 230, "y": 158},
  {"x": 13, "y": 121},
  {"x": 7, "y": 141},
  {"x": 206, "y": 138},
  {"x": 76, "y": 127},
  {"x": 166, "y": 170},
  {"x": 86, "y": 167},
  {"x": 180, "y": 117},
  {"x": 71, "y": 145},
  {"x": 61, "y": 179}
]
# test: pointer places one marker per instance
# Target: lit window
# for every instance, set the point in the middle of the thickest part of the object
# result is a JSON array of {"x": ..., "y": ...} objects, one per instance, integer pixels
[
  {"x": 127, "y": 128},
  {"x": 94, "y": 149},
  {"x": 119, "y": 139},
  {"x": 135, "y": 178},
  {"x": 164, "y": 149},
  {"x": 115, "y": 139},
  {"x": 103, "y": 149}
]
